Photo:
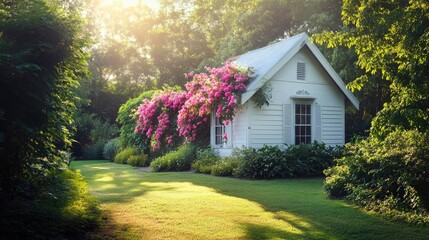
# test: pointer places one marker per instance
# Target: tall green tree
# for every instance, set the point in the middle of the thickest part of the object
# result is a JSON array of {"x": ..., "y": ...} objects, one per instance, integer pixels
[
  {"x": 391, "y": 39},
  {"x": 41, "y": 58}
]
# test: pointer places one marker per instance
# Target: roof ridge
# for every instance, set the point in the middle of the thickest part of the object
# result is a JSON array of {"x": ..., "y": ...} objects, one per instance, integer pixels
[{"x": 277, "y": 43}]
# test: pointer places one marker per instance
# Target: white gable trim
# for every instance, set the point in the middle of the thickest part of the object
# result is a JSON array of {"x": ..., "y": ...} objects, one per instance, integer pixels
[
  {"x": 332, "y": 73},
  {"x": 261, "y": 80}
]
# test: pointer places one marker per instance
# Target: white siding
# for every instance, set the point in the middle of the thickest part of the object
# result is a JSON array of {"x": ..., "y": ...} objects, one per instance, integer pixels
[
  {"x": 333, "y": 125},
  {"x": 239, "y": 129},
  {"x": 266, "y": 125}
]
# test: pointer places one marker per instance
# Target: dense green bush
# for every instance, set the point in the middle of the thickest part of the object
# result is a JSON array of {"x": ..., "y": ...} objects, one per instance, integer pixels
[
  {"x": 226, "y": 167},
  {"x": 43, "y": 53},
  {"x": 90, "y": 146},
  {"x": 140, "y": 160},
  {"x": 267, "y": 162},
  {"x": 306, "y": 160},
  {"x": 206, "y": 159},
  {"x": 64, "y": 210},
  {"x": 94, "y": 151},
  {"x": 127, "y": 118},
  {"x": 177, "y": 160},
  {"x": 391, "y": 175},
  {"x": 123, "y": 156},
  {"x": 110, "y": 149}
]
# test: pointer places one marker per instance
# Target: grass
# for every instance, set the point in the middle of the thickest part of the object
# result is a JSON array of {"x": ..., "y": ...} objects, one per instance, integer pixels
[
  {"x": 141, "y": 205},
  {"x": 65, "y": 210}
]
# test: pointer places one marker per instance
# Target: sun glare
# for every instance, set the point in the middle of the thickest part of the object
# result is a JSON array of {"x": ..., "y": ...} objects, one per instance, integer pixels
[{"x": 154, "y": 4}]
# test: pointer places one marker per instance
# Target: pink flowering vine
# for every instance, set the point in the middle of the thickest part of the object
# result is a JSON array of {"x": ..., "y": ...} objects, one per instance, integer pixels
[
  {"x": 218, "y": 91},
  {"x": 157, "y": 118},
  {"x": 170, "y": 115}
]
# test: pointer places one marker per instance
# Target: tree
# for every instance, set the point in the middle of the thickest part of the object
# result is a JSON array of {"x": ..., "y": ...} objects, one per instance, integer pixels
[
  {"x": 41, "y": 59},
  {"x": 390, "y": 39}
]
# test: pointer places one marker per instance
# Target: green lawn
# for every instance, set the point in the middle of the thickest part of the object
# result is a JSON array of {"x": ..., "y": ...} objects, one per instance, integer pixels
[{"x": 141, "y": 205}]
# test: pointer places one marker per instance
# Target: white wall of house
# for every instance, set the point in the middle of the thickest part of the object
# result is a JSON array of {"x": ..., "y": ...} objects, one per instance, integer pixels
[{"x": 274, "y": 124}]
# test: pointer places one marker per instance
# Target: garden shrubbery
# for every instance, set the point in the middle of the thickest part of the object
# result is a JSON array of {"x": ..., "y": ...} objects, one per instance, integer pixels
[
  {"x": 123, "y": 156},
  {"x": 206, "y": 159},
  {"x": 269, "y": 161},
  {"x": 111, "y": 148},
  {"x": 139, "y": 160},
  {"x": 305, "y": 160},
  {"x": 63, "y": 209},
  {"x": 390, "y": 175},
  {"x": 227, "y": 166},
  {"x": 177, "y": 160}
]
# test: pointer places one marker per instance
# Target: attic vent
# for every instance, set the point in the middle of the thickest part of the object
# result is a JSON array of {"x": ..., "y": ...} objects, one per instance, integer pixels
[{"x": 300, "y": 71}]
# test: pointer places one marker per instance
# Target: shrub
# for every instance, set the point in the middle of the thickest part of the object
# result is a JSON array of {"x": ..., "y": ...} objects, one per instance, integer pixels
[
  {"x": 123, "y": 156},
  {"x": 389, "y": 175},
  {"x": 296, "y": 161},
  {"x": 178, "y": 160},
  {"x": 140, "y": 160},
  {"x": 267, "y": 162},
  {"x": 90, "y": 146},
  {"x": 64, "y": 209},
  {"x": 248, "y": 156},
  {"x": 226, "y": 167},
  {"x": 94, "y": 151},
  {"x": 127, "y": 118},
  {"x": 110, "y": 149},
  {"x": 308, "y": 160},
  {"x": 206, "y": 159}
]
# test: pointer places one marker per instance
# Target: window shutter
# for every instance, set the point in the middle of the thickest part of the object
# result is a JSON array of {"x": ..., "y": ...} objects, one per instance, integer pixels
[
  {"x": 300, "y": 71},
  {"x": 287, "y": 128},
  {"x": 318, "y": 122}
]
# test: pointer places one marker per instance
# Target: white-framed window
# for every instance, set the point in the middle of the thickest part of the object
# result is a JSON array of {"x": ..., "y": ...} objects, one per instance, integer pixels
[
  {"x": 302, "y": 123},
  {"x": 300, "y": 70},
  {"x": 219, "y": 130}
]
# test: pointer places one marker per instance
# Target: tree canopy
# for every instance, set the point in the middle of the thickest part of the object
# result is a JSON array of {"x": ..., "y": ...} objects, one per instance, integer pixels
[
  {"x": 42, "y": 55},
  {"x": 391, "y": 40}
]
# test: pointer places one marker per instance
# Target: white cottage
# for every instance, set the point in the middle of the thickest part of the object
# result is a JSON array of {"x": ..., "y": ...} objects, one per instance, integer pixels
[{"x": 307, "y": 104}]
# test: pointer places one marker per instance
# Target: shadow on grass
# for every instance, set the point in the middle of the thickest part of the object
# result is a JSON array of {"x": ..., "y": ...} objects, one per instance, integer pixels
[
  {"x": 301, "y": 203},
  {"x": 112, "y": 230}
]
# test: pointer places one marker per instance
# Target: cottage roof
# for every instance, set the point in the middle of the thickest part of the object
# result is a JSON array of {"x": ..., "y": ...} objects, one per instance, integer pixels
[{"x": 268, "y": 60}]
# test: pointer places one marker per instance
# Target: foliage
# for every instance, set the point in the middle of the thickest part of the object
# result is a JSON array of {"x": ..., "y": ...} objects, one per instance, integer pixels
[
  {"x": 41, "y": 57},
  {"x": 94, "y": 151},
  {"x": 388, "y": 175},
  {"x": 140, "y": 160},
  {"x": 92, "y": 133},
  {"x": 227, "y": 166},
  {"x": 267, "y": 162},
  {"x": 110, "y": 149},
  {"x": 123, "y": 156},
  {"x": 305, "y": 160},
  {"x": 177, "y": 160},
  {"x": 65, "y": 210},
  {"x": 206, "y": 159},
  {"x": 263, "y": 95},
  {"x": 127, "y": 118},
  {"x": 395, "y": 49}
]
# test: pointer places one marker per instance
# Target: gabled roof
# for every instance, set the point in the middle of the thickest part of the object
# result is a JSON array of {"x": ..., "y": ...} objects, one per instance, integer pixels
[{"x": 268, "y": 60}]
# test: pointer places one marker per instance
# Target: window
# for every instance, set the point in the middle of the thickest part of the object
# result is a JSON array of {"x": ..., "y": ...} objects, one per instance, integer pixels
[
  {"x": 302, "y": 123},
  {"x": 300, "y": 70},
  {"x": 219, "y": 131}
]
